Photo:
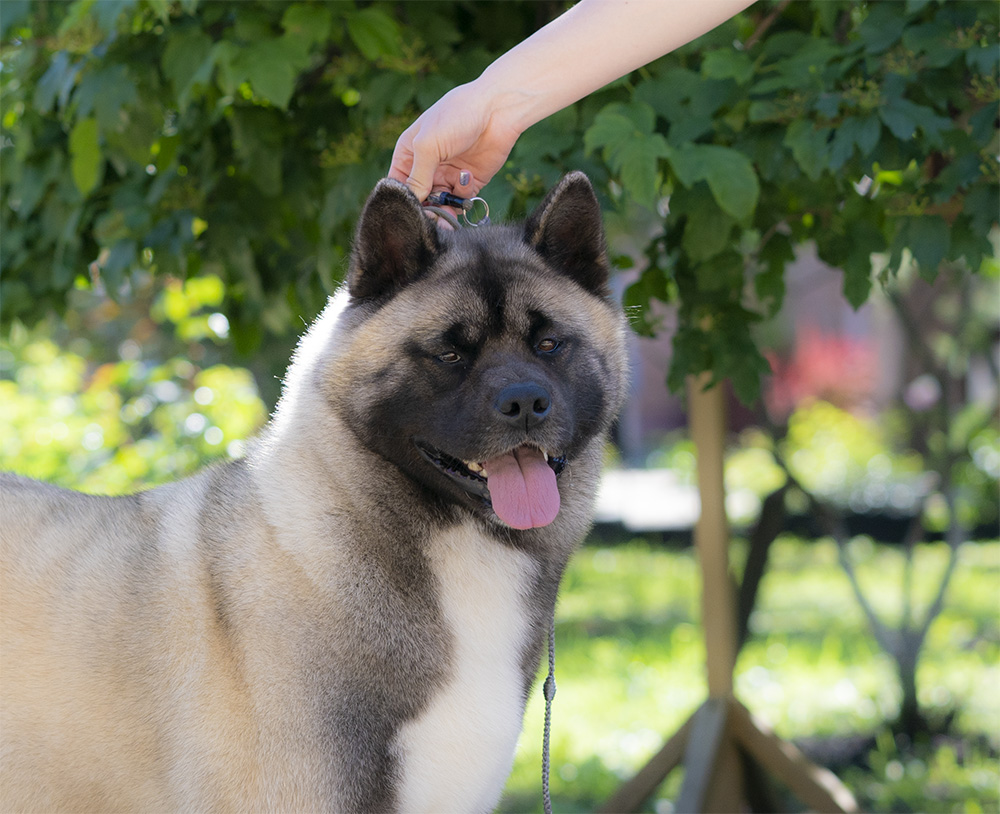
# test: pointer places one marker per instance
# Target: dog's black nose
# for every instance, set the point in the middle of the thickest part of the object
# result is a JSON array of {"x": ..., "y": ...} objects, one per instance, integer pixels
[{"x": 524, "y": 404}]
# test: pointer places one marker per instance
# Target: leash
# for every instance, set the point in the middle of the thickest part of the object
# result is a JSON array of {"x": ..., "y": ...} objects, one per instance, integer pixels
[
  {"x": 435, "y": 203},
  {"x": 549, "y": 691}
]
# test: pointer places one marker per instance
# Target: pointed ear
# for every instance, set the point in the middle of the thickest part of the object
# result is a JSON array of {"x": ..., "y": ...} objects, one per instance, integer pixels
[
  {"x": 568, "y": 232},
  {"x": 394, "y": 243}
]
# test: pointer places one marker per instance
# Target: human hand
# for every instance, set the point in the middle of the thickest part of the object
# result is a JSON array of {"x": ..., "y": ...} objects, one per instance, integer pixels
[{"x": 463, "y": 131}]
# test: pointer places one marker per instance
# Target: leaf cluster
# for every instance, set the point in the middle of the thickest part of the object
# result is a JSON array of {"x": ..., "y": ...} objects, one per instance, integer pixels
[
  {"x": 239, "y": 139},
  {"x": 868, "y": 129},
  {"x": 119, "y": 426},
  {"x": 234, "y": 139}
]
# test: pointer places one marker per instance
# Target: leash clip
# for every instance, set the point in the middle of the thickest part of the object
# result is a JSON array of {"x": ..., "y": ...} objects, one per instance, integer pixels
[{"x": 467, "y": 205}]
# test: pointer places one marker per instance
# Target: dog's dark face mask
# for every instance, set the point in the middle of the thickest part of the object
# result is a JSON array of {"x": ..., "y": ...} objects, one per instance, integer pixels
[{"x": 493, "y": 349}]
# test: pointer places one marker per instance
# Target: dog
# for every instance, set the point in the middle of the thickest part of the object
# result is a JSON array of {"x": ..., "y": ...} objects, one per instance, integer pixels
[{"x": 350, "y": 617}]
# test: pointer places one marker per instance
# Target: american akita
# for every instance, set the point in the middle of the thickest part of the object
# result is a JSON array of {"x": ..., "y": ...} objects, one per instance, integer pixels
[{"x": 350, "y": 617}]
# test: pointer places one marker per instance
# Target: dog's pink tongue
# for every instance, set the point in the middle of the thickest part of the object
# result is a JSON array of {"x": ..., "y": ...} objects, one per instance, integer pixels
[{"x": 523, "y": 488}]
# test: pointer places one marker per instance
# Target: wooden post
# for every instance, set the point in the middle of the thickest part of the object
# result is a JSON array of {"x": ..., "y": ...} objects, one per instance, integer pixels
[
  {"x": 707, "y": 422},
  {"x": 714, "y": 778}
]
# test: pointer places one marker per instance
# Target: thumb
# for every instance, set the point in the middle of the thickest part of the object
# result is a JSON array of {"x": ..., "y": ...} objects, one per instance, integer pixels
[{"x": 421, "y": 175}]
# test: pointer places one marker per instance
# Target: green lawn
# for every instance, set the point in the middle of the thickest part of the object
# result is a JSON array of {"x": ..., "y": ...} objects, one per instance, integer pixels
[{"x": 630, "y": 671}]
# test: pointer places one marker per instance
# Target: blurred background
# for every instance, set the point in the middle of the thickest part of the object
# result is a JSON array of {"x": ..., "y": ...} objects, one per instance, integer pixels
[{"x": 803, "y": 202}]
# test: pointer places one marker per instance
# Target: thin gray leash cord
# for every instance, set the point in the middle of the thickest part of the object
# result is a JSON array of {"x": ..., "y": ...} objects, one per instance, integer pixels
[
  {"x": 549, "y": 691},
  {"x": 445, "y": 215}
]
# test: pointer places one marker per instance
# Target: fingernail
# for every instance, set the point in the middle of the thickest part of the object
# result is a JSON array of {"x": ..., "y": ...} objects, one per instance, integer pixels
[{"x": 464, "y": 177}]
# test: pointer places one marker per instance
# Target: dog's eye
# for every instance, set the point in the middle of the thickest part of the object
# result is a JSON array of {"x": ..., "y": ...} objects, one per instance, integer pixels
[
  {"x": 449, "y": 358},
  {"x": 548, "y": 345}
]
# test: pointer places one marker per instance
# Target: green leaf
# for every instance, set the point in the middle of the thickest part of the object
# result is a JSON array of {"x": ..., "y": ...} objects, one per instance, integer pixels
[
  {"x": 802, "y": 69},
  {"x": 432, "y": 88},
  {"x": 375, "y": 33},
  {"x": 982, "y": 205},
  {"x": 56, "y": 83},
  {"x": 618, "y": 122},
  {"x": 882, "y": 27},
  {"x": 309, "y": 23},
  {"x": 747, "y": 372},
  {"x": 720, "y": 275},
  {"x": 769, "y": 284},
  {"x": 187, "y": 61},
  {"x": 388, "y": 92},
  {"x": 551, "y": 137},
  {"x": 809, "y": 146},
  {"x": 13, "y": 12},
  {"x": 928, "y": 239},
  {"x": 270, "y": 68},
  {"x": 86, "y": 163},
  {"x": 653, "y": 284},
  {"x": 609, "y": 128},
  {"x": 903, "y": 117},
  {"x": 108, "y": 92},
  {"x": 862, "y": 133},
  {"x": 728, "y": 63},
  {"x": 707, "y": 228},
  {"x": 631, "y": 148},
  {"x": 119, "y": 260},
  {"x": 983, "y": 58},
  {"x": 686, "y": 100},
  {"x": 258, "y": 144},
  {"x": 226, "y": 57},
  {"x": 107, "y": 12},
  {"x": 863, "y": 240},
  {"x": 638, "y": 159},
  {"x": 729, "y": 173},
  {"x": 933, "y": 40}
]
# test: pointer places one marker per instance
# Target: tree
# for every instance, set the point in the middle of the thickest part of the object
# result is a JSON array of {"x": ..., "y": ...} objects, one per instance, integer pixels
[
  {"x": 239, "y": 139},
  {"x": 227, "y": 138}
]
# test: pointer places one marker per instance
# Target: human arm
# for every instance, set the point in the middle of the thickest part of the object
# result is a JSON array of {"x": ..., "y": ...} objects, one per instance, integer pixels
[{"x": 474, "y": 126}]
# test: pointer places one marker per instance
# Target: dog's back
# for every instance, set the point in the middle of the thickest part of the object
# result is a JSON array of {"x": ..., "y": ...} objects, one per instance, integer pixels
[{"x": 107, "y": 650}]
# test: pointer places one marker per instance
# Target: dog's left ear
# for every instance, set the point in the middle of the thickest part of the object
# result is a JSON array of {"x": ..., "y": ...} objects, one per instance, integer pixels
[
  {"x": 394, "y": 243},
  {"x": 568, "y": 232}
]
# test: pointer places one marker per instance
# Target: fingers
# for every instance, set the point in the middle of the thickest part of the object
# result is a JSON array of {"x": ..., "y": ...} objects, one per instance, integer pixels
[
  {"x": 421, "y": 166},
  {"x": 402, "y": 157}
]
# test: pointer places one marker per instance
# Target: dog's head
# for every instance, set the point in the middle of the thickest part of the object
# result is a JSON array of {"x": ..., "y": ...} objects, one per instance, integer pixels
[{"x": 483, "y": 362}]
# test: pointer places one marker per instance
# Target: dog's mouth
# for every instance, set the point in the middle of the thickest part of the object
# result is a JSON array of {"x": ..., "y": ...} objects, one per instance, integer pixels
[{"x": 519, "y": 486}]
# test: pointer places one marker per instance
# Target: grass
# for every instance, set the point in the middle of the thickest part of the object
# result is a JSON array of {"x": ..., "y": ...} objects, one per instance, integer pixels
[{"x": 630, "y": 670}]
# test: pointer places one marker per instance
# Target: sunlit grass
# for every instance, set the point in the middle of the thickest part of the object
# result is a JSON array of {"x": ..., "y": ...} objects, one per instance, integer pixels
[{"x": 630, "y": 670}]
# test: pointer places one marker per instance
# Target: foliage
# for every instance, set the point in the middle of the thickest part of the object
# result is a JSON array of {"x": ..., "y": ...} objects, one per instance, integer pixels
[
  {"x": 239, "y": 138},
  {"x": 859, "y": 463},
  {"x": 119, "y": 426},
  {"x": 630, "y": 669},
  {"x": 849, "y": 458},
  {"x": 866, "y": 128}
]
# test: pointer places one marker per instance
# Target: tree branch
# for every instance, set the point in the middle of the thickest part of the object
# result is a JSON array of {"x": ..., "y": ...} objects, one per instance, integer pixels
[{"x": 765, "y": 24}]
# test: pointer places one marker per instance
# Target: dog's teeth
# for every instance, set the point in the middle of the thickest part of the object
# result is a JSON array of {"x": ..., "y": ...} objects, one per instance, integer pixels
[{"x": 474, "y": 467}]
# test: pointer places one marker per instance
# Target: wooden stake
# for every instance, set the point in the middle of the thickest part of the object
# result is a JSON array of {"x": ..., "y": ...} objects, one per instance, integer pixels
[{"x": 707, "y": 423}]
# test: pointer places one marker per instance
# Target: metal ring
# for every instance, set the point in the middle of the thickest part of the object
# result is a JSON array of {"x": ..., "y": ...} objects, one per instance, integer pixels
[{"x": 484, "y": 219}]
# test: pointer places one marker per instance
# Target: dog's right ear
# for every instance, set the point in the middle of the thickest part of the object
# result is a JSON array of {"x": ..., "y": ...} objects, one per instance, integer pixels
[{"x": 394, "y": 244}]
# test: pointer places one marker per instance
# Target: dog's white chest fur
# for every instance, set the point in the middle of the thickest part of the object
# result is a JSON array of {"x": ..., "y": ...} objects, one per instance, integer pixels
[{"x": 457, "y": 754}]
